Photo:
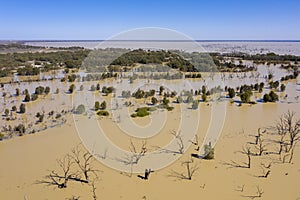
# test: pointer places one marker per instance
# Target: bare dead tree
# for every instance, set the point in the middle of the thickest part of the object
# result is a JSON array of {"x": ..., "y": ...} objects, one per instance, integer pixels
[
  {"x": 288, "y": 130},
  {"x": 84, "y": 161},
  {"x": 179, "y": 140},
  {"x": 259, "y": 193},
  {"x": 293, "y": 127},
  {"x": 260, "y": 146},
  {"x": 257, "y": 136},
  {"x": 240, "y": 188},
  {"x": 134, "y": 157},
  {"x": 266, "y": 170},
  {"x": 191, "y": 169},
  {"x": 196, "y": 143},
  {"x": 246, "y": 151},
  {"x": 75, "y": 167},
  {"x": 93, "y": 186},
  {"x": 60, "y": 178}
]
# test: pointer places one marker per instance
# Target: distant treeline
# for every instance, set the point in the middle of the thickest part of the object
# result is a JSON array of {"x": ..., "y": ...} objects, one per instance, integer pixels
[
  {"x": 269, "y": 57},
  {"x": 117, "y": 59}
]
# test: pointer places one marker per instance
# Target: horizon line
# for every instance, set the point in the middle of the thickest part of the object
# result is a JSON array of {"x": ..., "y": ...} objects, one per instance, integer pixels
[{"x": 139, "y": 40}]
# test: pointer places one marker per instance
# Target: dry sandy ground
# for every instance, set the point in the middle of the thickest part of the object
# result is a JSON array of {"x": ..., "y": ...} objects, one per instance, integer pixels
[{"x": 24, "y": 160}]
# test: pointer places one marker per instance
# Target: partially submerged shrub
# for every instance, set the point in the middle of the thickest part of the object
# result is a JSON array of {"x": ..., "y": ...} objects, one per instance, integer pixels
[
  {"x": 103, "y": 113},
  {"x": 209, "y": 152}
]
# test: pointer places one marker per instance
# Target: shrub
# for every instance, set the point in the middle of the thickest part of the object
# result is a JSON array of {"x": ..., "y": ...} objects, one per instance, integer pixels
[
  {"x": 141, "y": 112},
  {"x": 20, "y": 128},
  {"x": 126, "y": 94},
  {"x": 34, "y": 97},
  {"x": 22, "y": 108},
  {"x": 81, "y": 88},
  {"x": 93, "y": 88},
  {"x": 103, "y": 113},
  {"x": 179, "y": 99},
  {"x": 80, "y": 109},
  {"x": 189, "y": 99},
  {"x": 195, "y": 104}
]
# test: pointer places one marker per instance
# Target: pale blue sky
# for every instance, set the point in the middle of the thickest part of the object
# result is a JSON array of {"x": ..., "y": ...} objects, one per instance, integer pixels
[{"x": 203, "y": 20}]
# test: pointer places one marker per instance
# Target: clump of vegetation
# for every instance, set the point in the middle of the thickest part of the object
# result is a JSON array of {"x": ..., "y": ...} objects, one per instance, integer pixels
[
  {"x": 107, "y": 90},
  {"x": 271, "y": 97},
  {"x": 20, "y": 128},
  {"x": 141, "y": 112},
  {"x": 126, "y": 94}
]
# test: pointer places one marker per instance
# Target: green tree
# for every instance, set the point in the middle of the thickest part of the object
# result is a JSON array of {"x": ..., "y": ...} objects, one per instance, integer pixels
[
  {"x": 6, "y": 112},
  {"x": 27, "y": 97},
  {"x": 71, "y": 88},
  {"x": 161, "y": 90},
  {"x": 282, "y": 87},
  {"x": 47, "y": 90},
  {"x": 245, "y": 96},
  {"x": 267, "y": 98},
  {"x": 97, "y": 105},
  {"x": 17, "y": 92},
  {"x": 231, "y": 92},
  {"x": 14, "y": 108},
  {"x": 103, "y": 105},
  {"x": 204, "y": 97},
  {"x": 98, "y": 86},
  {"x": 273, "y": 96},
  {"x": 154, "y": 100},
  {"x": 166, "y": 101}
]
